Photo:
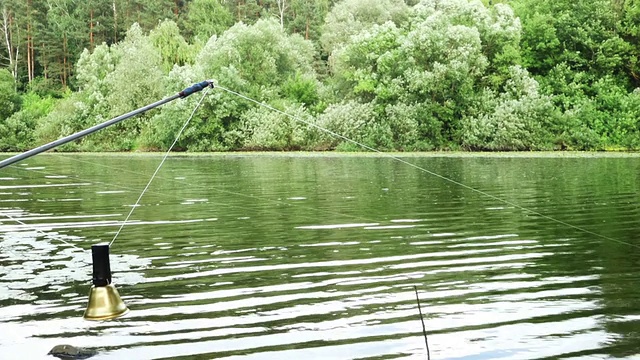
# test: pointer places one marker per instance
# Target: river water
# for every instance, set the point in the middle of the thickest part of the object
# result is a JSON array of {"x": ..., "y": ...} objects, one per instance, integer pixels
[{"x": 279, "y": 256}]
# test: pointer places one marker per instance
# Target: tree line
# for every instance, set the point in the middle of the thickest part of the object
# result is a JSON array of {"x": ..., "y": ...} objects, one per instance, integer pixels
[{"x": 390, "y": 74}]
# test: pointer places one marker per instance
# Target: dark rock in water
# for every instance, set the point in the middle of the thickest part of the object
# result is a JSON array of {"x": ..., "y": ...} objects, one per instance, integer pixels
[{"x": 71, "y": 352}]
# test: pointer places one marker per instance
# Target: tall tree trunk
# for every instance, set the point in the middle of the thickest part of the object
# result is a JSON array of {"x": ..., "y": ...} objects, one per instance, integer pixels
[
  {"x": 281, "y": 8},
  {"x": 30, "y": 52},
  {"x": 44, "y": 62},
  {"x": 33, "y": 58},
  {"x": 15, "y": 64},
  {"x": 6, "y": 29},
  {"x": 13, "y": 50},
  {"x": 30, "y": 60},
  {"x": 91, "y": 29},
  {"x": 115, "y": 23},
  {"x": 65, "y": 74},
  {"x": 306, "y": 30}
]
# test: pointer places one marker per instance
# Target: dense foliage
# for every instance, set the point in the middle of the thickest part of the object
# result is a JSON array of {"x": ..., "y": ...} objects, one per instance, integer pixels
[{"x": 387, "y": 74}]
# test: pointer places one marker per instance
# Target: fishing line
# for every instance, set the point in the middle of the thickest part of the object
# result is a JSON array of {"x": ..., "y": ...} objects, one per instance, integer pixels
[
  {"x": 296, "y": 118},
  {"x": 164, "y": 158},
  {"x": 54, "y": 236},
  {"x": 208, "y": 187},
  {"x": 192, "y": 186},
  {"x": 33, "y": 227}
]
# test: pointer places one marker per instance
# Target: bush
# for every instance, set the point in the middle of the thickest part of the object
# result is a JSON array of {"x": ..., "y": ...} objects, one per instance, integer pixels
[
  {"x": 350, "y": 120},
  {"x": 351, "y": 17},
  {"x": 67, "y": 117},
  {"x": 17, "y": 132},
  {"x": 303, "y": 90},
  {"x": 265, "y": 129},
  {"x": 259, "y": 61},
  {"x": 407, "y": 132},
  {"x": 517, "y": 119},
  {"x": 9, "y": 98}
]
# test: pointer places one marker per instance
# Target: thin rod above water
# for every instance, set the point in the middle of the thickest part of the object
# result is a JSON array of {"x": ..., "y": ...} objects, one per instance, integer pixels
[{"x": 182, "y": 94}]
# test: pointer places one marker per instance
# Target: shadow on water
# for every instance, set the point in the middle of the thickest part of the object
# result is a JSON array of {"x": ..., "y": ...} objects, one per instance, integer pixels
[{"x": 266, "y": 257}]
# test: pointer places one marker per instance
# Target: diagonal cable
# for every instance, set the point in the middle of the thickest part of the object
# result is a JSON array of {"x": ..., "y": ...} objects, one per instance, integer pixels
[
  {"x": 550, "y": 218},
  {"x": 164, "y": 158}
]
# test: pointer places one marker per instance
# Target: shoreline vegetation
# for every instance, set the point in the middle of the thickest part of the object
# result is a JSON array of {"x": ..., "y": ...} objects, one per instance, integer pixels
[
  {"x": 301, "y": 154},
  {"x": 406, "y": 76}
]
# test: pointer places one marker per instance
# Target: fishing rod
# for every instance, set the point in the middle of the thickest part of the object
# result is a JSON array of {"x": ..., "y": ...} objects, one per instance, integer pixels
[
  {"x": 104, "y": 300},
  {"x": 182, "y": 94}
]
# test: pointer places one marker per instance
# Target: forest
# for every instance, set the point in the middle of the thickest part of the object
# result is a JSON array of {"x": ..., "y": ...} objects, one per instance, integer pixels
[{"x": 393, "y": 75}]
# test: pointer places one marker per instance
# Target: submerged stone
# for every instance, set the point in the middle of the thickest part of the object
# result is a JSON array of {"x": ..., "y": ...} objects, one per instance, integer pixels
[{"x": 71, "y": 352}]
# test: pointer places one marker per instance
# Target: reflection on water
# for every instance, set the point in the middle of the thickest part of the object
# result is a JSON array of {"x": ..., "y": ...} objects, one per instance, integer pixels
[{"x": 272, "y": 257}]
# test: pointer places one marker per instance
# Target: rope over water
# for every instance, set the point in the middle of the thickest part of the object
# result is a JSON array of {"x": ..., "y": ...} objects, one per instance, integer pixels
[
  {"x": 53, "y": 236},
  {"x": 547, "y": 217},
  {"x": 184, "y": 93},
  {"x": 27, "y": 154},
  {"x": 209, "y": 84}
]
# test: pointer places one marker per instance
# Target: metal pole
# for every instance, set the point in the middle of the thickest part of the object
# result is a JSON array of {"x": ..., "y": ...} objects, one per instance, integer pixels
[{"x": 182, "y": 94}]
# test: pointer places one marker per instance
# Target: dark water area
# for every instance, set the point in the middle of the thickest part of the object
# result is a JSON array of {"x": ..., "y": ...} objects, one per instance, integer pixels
[{"x": 297, "y": 256}]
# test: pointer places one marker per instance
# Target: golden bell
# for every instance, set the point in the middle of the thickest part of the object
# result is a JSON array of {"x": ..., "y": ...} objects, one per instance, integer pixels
[
  {"x": 104, "y": 300},
  {"x": 104, "y": 303}
]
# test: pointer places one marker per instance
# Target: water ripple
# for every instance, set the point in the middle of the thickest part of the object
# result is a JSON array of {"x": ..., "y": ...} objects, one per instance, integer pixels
[{"x": 284, "y": 257}]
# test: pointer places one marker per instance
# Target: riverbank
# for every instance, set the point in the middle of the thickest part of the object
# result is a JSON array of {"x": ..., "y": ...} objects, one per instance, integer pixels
[{"x": 506, "y": 154}]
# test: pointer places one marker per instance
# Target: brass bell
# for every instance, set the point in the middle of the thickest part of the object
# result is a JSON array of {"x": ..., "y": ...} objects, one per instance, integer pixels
[{"x": 104, "y": 301}]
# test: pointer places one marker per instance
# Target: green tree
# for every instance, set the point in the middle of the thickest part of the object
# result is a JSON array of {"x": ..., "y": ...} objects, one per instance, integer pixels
[
  {"x": 69, "y": 115},
  {"x": 351, "y": 17},
  {"x": 202, "y": 134},
  {"x": 137, "y": 80},
  {"x": 519, "y": 118},
  {"x": 113, "y": 80},
  {"x": 436, "y": 66},
  {"x": 66, "y": 31},
  {"x": 206, "y": 18},
  {"x": 173, "y": 48},
  {"x": 584, "y": 54},
  {"x": 303, "y": 89},
  {"x": 262, "y": 55},
  {"x": 581, "y": 34},
  {"x": 498, "y": 28},
  {"x": 353, "y": 120},
  {"x": 265, "y": 129},
  {"x": 17, "y": 131},
  {"x": 94, "y": 66},
  {"x": 22, "y": 30},
  {"x": 146, "y": 13},
  {"x": 11, "y": 41},
  {"x": 255, "y": 60},
  {"x": 244, "y": 11},
  {"x": 307, "y": 17},
  {"x": 9, "y": 98},
  {"x": 629, "y": 29},
  {"x": 97, "y": 22}
]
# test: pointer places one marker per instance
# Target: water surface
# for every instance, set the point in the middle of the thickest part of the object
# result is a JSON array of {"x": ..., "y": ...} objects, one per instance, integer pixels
[{"x": 316, "y": 257}]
